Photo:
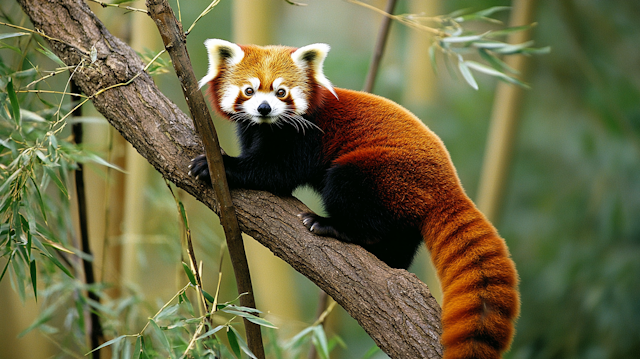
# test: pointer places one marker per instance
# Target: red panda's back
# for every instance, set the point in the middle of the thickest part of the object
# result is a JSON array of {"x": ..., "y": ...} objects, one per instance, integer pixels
[{"x": 412, "y": 168}]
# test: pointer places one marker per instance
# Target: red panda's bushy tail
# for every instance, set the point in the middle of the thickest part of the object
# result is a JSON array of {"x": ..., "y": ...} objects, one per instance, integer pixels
[{"x": 478, "y": 278}]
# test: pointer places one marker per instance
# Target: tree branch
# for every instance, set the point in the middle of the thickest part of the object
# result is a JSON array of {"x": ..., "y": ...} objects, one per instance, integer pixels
[
  {"x": 392, "y": 305},
  {"x": 174, "y": 41}
]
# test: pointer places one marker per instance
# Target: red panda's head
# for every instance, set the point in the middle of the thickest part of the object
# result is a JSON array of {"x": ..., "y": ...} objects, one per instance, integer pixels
[{"x": 265, "y": 84}]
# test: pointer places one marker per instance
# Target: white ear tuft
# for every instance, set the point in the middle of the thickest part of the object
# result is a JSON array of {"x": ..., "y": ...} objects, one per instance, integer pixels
[
  {"x": 312, "y": 56},
  {"x": 220, "y": 50}
]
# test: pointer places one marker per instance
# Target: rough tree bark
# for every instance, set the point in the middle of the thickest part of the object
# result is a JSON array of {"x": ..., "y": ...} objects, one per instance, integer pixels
[{"x": 393, "y": 306}]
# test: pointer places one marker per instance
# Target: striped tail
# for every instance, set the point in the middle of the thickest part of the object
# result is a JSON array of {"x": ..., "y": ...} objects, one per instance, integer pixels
[{"x": 478, "y": 280}]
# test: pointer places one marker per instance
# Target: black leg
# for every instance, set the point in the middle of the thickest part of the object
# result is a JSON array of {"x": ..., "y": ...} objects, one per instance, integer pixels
[{"x": 357, "y": 214}]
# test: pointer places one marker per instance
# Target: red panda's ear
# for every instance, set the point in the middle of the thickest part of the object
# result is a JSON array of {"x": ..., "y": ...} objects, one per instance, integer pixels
[
  {"x": 219, "y": 51},
  {"x": 312, "y": 56}
]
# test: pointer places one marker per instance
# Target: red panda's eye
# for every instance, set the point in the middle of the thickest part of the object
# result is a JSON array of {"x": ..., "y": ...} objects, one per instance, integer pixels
[
  {"x": 281, "y": 93},
  {"x": 248, "y": 91}
]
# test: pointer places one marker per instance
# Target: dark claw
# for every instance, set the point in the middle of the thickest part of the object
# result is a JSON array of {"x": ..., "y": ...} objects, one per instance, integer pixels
[
  {"x": 199, "y": 168},
  {"x": 320, "y": 226}
]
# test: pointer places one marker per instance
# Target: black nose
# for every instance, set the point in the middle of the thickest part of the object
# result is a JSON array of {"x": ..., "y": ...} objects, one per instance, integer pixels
[{"x": 264, "y": 108}]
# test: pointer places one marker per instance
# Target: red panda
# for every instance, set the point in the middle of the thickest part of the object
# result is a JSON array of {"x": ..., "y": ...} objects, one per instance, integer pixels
[{"x": 386, "y": 181}]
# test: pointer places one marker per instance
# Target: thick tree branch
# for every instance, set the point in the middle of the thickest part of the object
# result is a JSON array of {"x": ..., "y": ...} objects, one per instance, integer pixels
[{"x": 392, "y": 305}]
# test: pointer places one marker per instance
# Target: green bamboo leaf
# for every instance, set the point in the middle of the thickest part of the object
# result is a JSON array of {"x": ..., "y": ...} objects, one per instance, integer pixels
[
  {"x": 210, "y": 332},
  {"x": 6, "y": 266},
  {"x": 490, "y": 71},
  {"x": 321, "y": 341},
  {"x": 80, "y": 310},
  {"x": 97, "y": 159},
  {"x": 457, "y": 39},
  {"x": 459, "y": 13},
  {"x": 108, "y": 343},
  {"x": 137, "y": 348},
  {"x": 58, "y": 264},
  {"x": 371, "y": 352},
  {"x": 207, "y": 296},
  {"x": 496, "y": 62},
  {"x": 46, "y": 315},
  {"x": 15, "y": 105},
  {"x": 13, "y": 34},
  {"x": 190, "y": 275},
  {"x": 161, "y": 335},
  {"x": 466, "y": 74},
  {"x": 143, "y": 354},
  {"x": 183, "y": 213},
  {"x": 243, "y": 345},
  {"x": 297, "y": 339},
  {"x": 29, "y": 243},
  {"x": 49, "y": 171},
  {"x": 53, "y": 57},
  {"x": 245, "y": 309},
  {"x": 167, "y": 312},
  {"x": 12, "y": 48},
  {"x": 28, "y": 73},
  {"x": 482, "y": 14},
  {"x": 233, "y": 342},
  {"x": 182, "y": 323},
  {"x": 9, "y": 180},
  {"x": 513, "y": 49},
  {"x": 250, "y": 317},
  {"x": 509, "y": 30},
  {"x": 31, "y": 116},
  {"x": 185, "y": 299},
  {"x": 39, "y": 199},
  {"x": 34, "y": 278},
  {"x": 53, "y": 146},
  {"x": 489, "y": 44}
]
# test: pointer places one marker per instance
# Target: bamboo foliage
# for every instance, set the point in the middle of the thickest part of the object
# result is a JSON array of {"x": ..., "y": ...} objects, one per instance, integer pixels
[{"x": 507, "y": 107}]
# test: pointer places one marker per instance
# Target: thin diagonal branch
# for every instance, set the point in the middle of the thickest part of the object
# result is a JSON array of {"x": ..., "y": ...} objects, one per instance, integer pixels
[
  {"x": 174, "y": 41},
  {"x": 378, "y": 51}
]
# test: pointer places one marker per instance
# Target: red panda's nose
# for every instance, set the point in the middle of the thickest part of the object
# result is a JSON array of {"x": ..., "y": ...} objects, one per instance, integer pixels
[{"x": 264, "y": 108}]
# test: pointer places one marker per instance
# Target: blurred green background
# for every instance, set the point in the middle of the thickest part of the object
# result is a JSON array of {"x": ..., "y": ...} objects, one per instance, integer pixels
[{"x": 570, "y": 210}]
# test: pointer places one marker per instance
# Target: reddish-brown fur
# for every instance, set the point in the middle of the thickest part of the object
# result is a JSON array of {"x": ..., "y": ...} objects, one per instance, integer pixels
[
  {"x": 416, "y": 180},
  {"x": 478, "y": 278}
]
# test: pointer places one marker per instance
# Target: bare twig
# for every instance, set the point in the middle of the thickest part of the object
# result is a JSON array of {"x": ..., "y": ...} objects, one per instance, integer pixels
[
  {"x": 192, "y": 254},
  {"x": 104, "y": 4},
  {"x": 383, "y": 34},
  {"x": 174, "y": 41},
  {"x": 409, "y": 21}
]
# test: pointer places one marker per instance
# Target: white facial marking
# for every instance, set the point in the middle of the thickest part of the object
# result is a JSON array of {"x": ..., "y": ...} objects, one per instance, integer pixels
[
  {"x": 277, "y": 82},
  {"x": 255, "y": 83},
  {"x": 299, "y": 100},
  {"x": 228, "y": 98},
  {"x": 277, "y": 107}
]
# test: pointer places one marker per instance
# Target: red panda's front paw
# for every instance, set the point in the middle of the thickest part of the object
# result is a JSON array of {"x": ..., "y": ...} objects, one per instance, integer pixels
[
  {"x": 320, "y": 226},
  {"x": 199, "y": 168}
]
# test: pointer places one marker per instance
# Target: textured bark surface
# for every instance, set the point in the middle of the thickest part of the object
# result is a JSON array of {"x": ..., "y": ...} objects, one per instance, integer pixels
[{"x": 392, "y": 305}]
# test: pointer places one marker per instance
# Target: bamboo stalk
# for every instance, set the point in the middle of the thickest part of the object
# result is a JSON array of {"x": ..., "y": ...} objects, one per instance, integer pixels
[
  {"x": 95, "y": 327},
  {"x": 504, "y": 120}
]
